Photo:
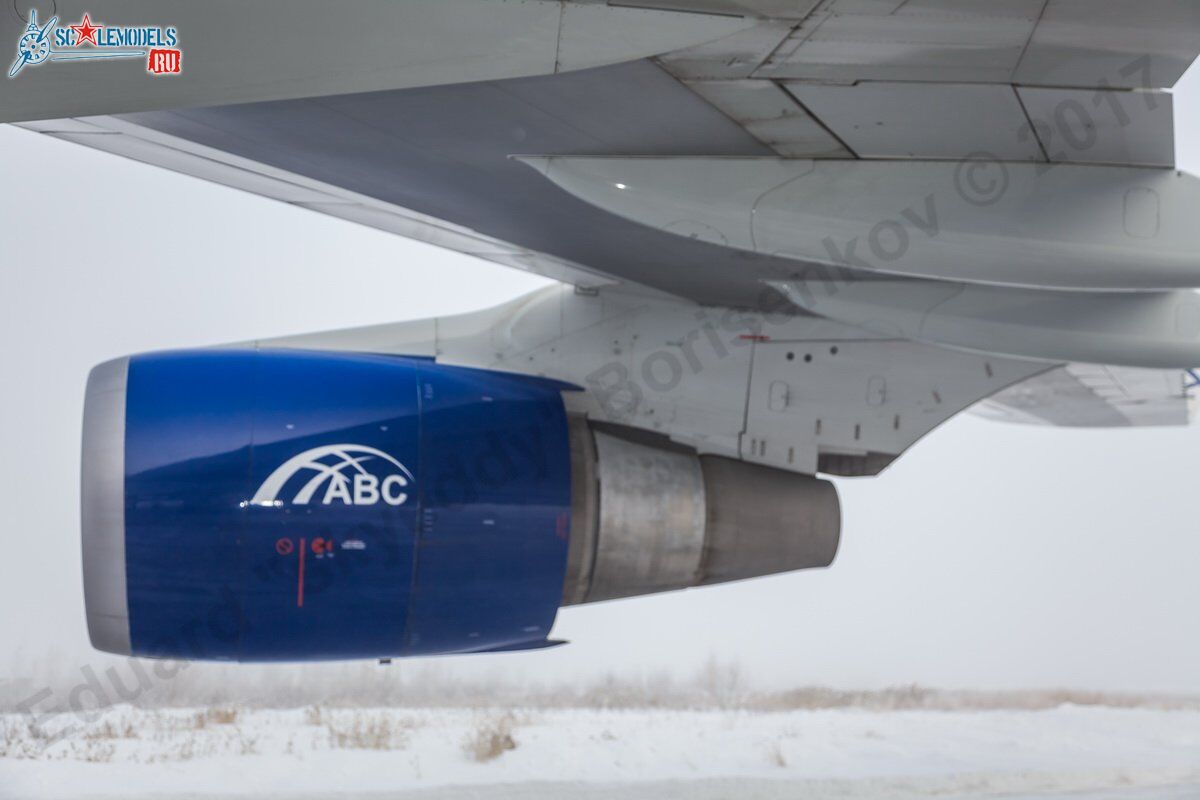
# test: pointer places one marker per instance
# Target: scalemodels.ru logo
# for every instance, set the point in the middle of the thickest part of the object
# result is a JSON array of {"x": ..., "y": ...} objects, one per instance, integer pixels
[{"x": 87, "y": 41}]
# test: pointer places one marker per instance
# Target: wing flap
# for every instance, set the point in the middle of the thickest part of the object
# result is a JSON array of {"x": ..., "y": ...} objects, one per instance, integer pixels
[
  {"x": 1130, "y": 44},
  {"x": 1094, "y": 396},
  {"x": 908, "y": 42},
  {"x": 1021, "y": 80},
  {"x": 885, "y": 119},
  {"x": 1087, "y": 126},
  {"x": 768, "y": 114}
]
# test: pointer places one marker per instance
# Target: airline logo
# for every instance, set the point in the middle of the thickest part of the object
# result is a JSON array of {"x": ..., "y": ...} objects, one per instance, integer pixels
[{"x": 337, "y": 474}]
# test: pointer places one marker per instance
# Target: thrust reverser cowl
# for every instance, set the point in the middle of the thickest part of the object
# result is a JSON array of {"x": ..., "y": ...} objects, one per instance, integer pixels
[{"x": 257, "y": 506}]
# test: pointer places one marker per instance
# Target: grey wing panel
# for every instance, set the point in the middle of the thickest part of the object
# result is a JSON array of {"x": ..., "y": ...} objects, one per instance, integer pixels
[
  {"x": 139, "y": 143},
  {"x": 1026, "y": 42},
  {"x": 434, "y": 162},
  {"x": 443, "y": 155},
  {"x": 1094, "y": 396},
  {"x": 1042, "y": 80},
  {"x": 236, "y": 52}
]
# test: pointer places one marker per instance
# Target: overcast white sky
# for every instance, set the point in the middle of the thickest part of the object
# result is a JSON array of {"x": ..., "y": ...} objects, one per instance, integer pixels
[{"x": 988, "y": 556}]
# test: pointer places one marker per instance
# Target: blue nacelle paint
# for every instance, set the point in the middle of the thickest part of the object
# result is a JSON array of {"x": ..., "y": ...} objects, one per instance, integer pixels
[{"x": 428, "y": 514}]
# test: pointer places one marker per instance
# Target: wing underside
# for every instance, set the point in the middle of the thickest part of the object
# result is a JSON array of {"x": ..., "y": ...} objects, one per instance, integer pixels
[{"x": 1053, "y": 87}]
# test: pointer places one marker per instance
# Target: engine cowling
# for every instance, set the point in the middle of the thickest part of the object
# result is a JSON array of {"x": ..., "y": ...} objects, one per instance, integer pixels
[{"x": 259, "y": 505}]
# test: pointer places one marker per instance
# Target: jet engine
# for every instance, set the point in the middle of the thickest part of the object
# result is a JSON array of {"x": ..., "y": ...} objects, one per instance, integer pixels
[{"x": 272, "y": 505}]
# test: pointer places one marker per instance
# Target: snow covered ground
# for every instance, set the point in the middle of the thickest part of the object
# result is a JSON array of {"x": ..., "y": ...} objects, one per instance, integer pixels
[{"x": 1071, "y": 751}]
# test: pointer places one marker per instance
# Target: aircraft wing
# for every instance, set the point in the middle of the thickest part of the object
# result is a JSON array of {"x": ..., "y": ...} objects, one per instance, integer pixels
[
  {"x": 727, "y": 153},
  {"x": 1095, "y": 396}
]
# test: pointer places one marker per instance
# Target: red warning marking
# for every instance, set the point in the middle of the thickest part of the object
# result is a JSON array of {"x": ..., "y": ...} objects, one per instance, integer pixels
[
  {"x": 300, "y": 579},
  {"x": 284, "y": 547},
  {"x": 321, "y": 546}
]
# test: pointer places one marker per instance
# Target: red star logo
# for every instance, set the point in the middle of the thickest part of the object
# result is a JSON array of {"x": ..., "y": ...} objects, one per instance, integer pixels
[{"x": 85, "y": 31}]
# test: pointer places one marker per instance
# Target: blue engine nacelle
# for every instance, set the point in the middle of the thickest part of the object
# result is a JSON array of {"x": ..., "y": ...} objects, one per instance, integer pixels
[{"x": 289, "y": 505}]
